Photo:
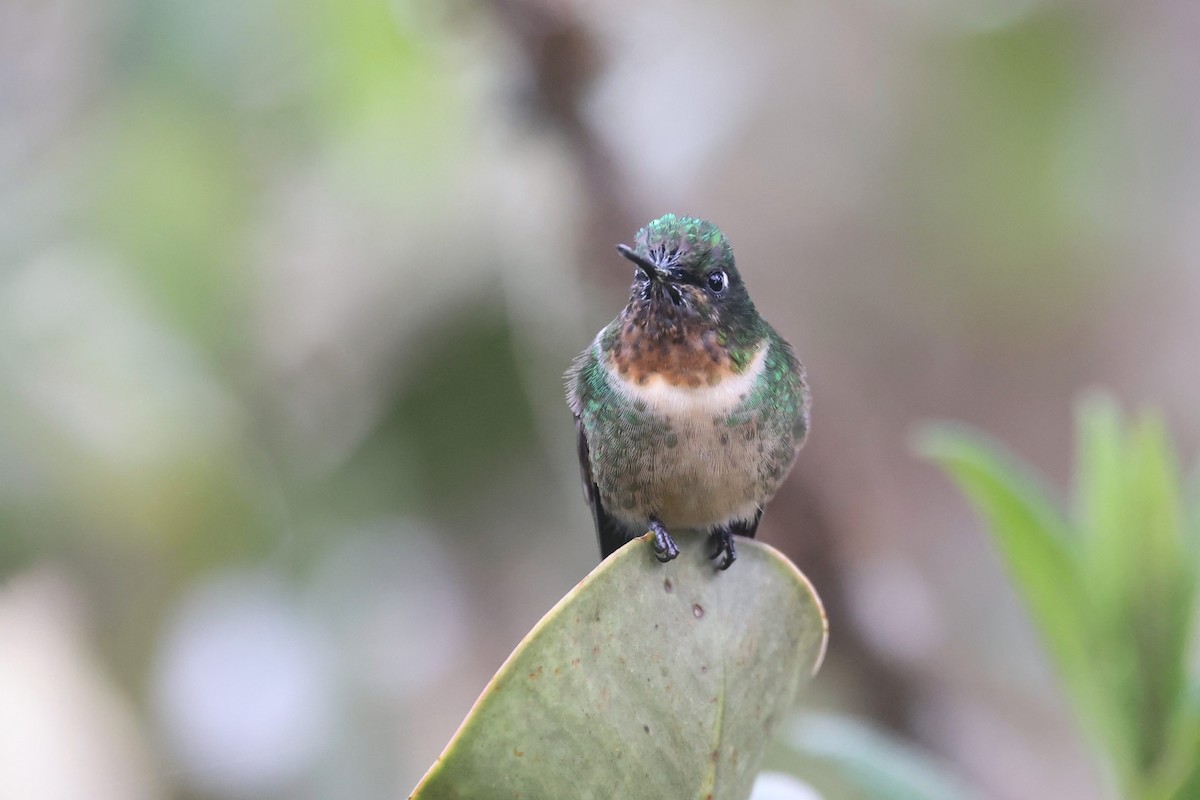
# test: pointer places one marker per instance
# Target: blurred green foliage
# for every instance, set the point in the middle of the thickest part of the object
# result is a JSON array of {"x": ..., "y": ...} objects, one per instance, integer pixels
[
  {"x": 234, "y": 341},
  {"x": 1111, "y": 584},
  {"x": 468, "y": 376}
]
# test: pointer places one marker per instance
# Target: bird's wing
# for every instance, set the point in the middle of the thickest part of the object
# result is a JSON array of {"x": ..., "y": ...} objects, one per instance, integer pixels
[{"x": 609, "y": 532}]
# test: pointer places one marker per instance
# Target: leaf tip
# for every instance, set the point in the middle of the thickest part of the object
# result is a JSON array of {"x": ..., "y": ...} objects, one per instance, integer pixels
[{"x": 939, "y": 441}]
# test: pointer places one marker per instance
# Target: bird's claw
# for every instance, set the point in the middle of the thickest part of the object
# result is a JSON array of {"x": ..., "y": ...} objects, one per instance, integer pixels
[
  {"x": 722, "y": 541},
  {"x": 665, "y": 548}
]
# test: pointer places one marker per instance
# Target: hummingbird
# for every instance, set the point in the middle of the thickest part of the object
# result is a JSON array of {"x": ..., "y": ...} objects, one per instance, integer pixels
[{"x": 689, "y": 408}]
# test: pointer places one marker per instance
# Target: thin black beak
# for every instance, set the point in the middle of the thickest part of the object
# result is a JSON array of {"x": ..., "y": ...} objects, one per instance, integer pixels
[{"x": 646, "y": 264}]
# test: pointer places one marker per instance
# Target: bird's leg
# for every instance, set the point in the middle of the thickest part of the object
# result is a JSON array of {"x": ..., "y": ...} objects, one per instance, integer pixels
[
  {"x": 664, "y": 545},
  {"x": 722, "y": 546}
]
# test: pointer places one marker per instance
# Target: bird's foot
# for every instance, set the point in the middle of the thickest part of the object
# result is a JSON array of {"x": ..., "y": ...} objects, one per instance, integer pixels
[
  {"x": 722, "y": 548},
  {"x": 664, "y": 546}
]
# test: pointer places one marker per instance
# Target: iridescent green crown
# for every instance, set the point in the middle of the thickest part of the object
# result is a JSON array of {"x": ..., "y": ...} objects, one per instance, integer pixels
[{"x": 685, "y": 242}]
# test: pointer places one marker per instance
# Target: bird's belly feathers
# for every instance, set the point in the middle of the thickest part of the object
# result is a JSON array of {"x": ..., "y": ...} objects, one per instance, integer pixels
[{"x": 710, "y": 476}]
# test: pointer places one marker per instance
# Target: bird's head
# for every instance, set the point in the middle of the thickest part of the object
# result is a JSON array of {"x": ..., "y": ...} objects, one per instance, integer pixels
[{"x": 685, "y": 278}]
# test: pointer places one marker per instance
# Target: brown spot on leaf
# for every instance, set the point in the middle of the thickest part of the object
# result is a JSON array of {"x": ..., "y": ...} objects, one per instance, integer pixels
[
  {"x": 667, "y": 584},
  {"x": 697, "y": 610}
]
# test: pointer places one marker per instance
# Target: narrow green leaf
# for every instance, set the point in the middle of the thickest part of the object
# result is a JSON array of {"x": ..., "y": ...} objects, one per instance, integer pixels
[
  {"x": 1035, "y": 543},
  {"x": 647, "y": 680},
  {"x": 1177, "y": 773},
  {"x": 1107, "y": 551},
  {"x": 1140, "y": 570},
  {"x": 1192, "y": 523},
  {"x": 1033, "y": 538},
  {"x": 1163, "y": 597},
  {"x": 1099, "y": 500}
]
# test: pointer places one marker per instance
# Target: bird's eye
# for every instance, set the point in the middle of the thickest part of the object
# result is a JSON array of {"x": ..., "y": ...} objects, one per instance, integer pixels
[{"x": 717, "y": 281}]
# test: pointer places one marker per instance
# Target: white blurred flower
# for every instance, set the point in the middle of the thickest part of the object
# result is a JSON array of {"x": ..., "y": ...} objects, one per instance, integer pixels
[
  {"x": 781, "y": 786},
  {"x": 242, "y": 686}
]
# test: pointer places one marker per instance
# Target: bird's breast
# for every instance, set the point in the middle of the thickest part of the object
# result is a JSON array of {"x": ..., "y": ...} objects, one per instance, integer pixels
[
  {"x": 688, "y": 455},
  {"x": 675, "y": 391}
]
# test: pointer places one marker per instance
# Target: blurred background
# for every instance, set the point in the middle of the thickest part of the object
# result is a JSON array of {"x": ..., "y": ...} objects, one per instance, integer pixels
[{"x": 287, "y": 291}]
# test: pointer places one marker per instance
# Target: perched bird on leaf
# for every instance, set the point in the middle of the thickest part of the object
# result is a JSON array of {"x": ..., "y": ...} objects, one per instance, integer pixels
[{"x": 689, "y": 407}]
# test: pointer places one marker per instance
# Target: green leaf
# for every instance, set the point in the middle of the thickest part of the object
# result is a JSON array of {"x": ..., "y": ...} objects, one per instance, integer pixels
[
  {"x": 1036, "y": 545},
  {"x": 1032, "y": 536},
  {"x": 1140, "y": 573},
  {"x": 879, "y": 766},
  {"x": 1178, "y": 771},
  {"x": 1107, "y": 551},
  {"x": 1163, "y": 596},
  {"x": 647, "y": 680},
  {"x": 1099, "y": 501}
]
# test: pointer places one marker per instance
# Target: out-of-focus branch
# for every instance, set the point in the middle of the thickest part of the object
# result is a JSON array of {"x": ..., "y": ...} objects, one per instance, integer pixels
[{"x": 564, "y": 58}]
